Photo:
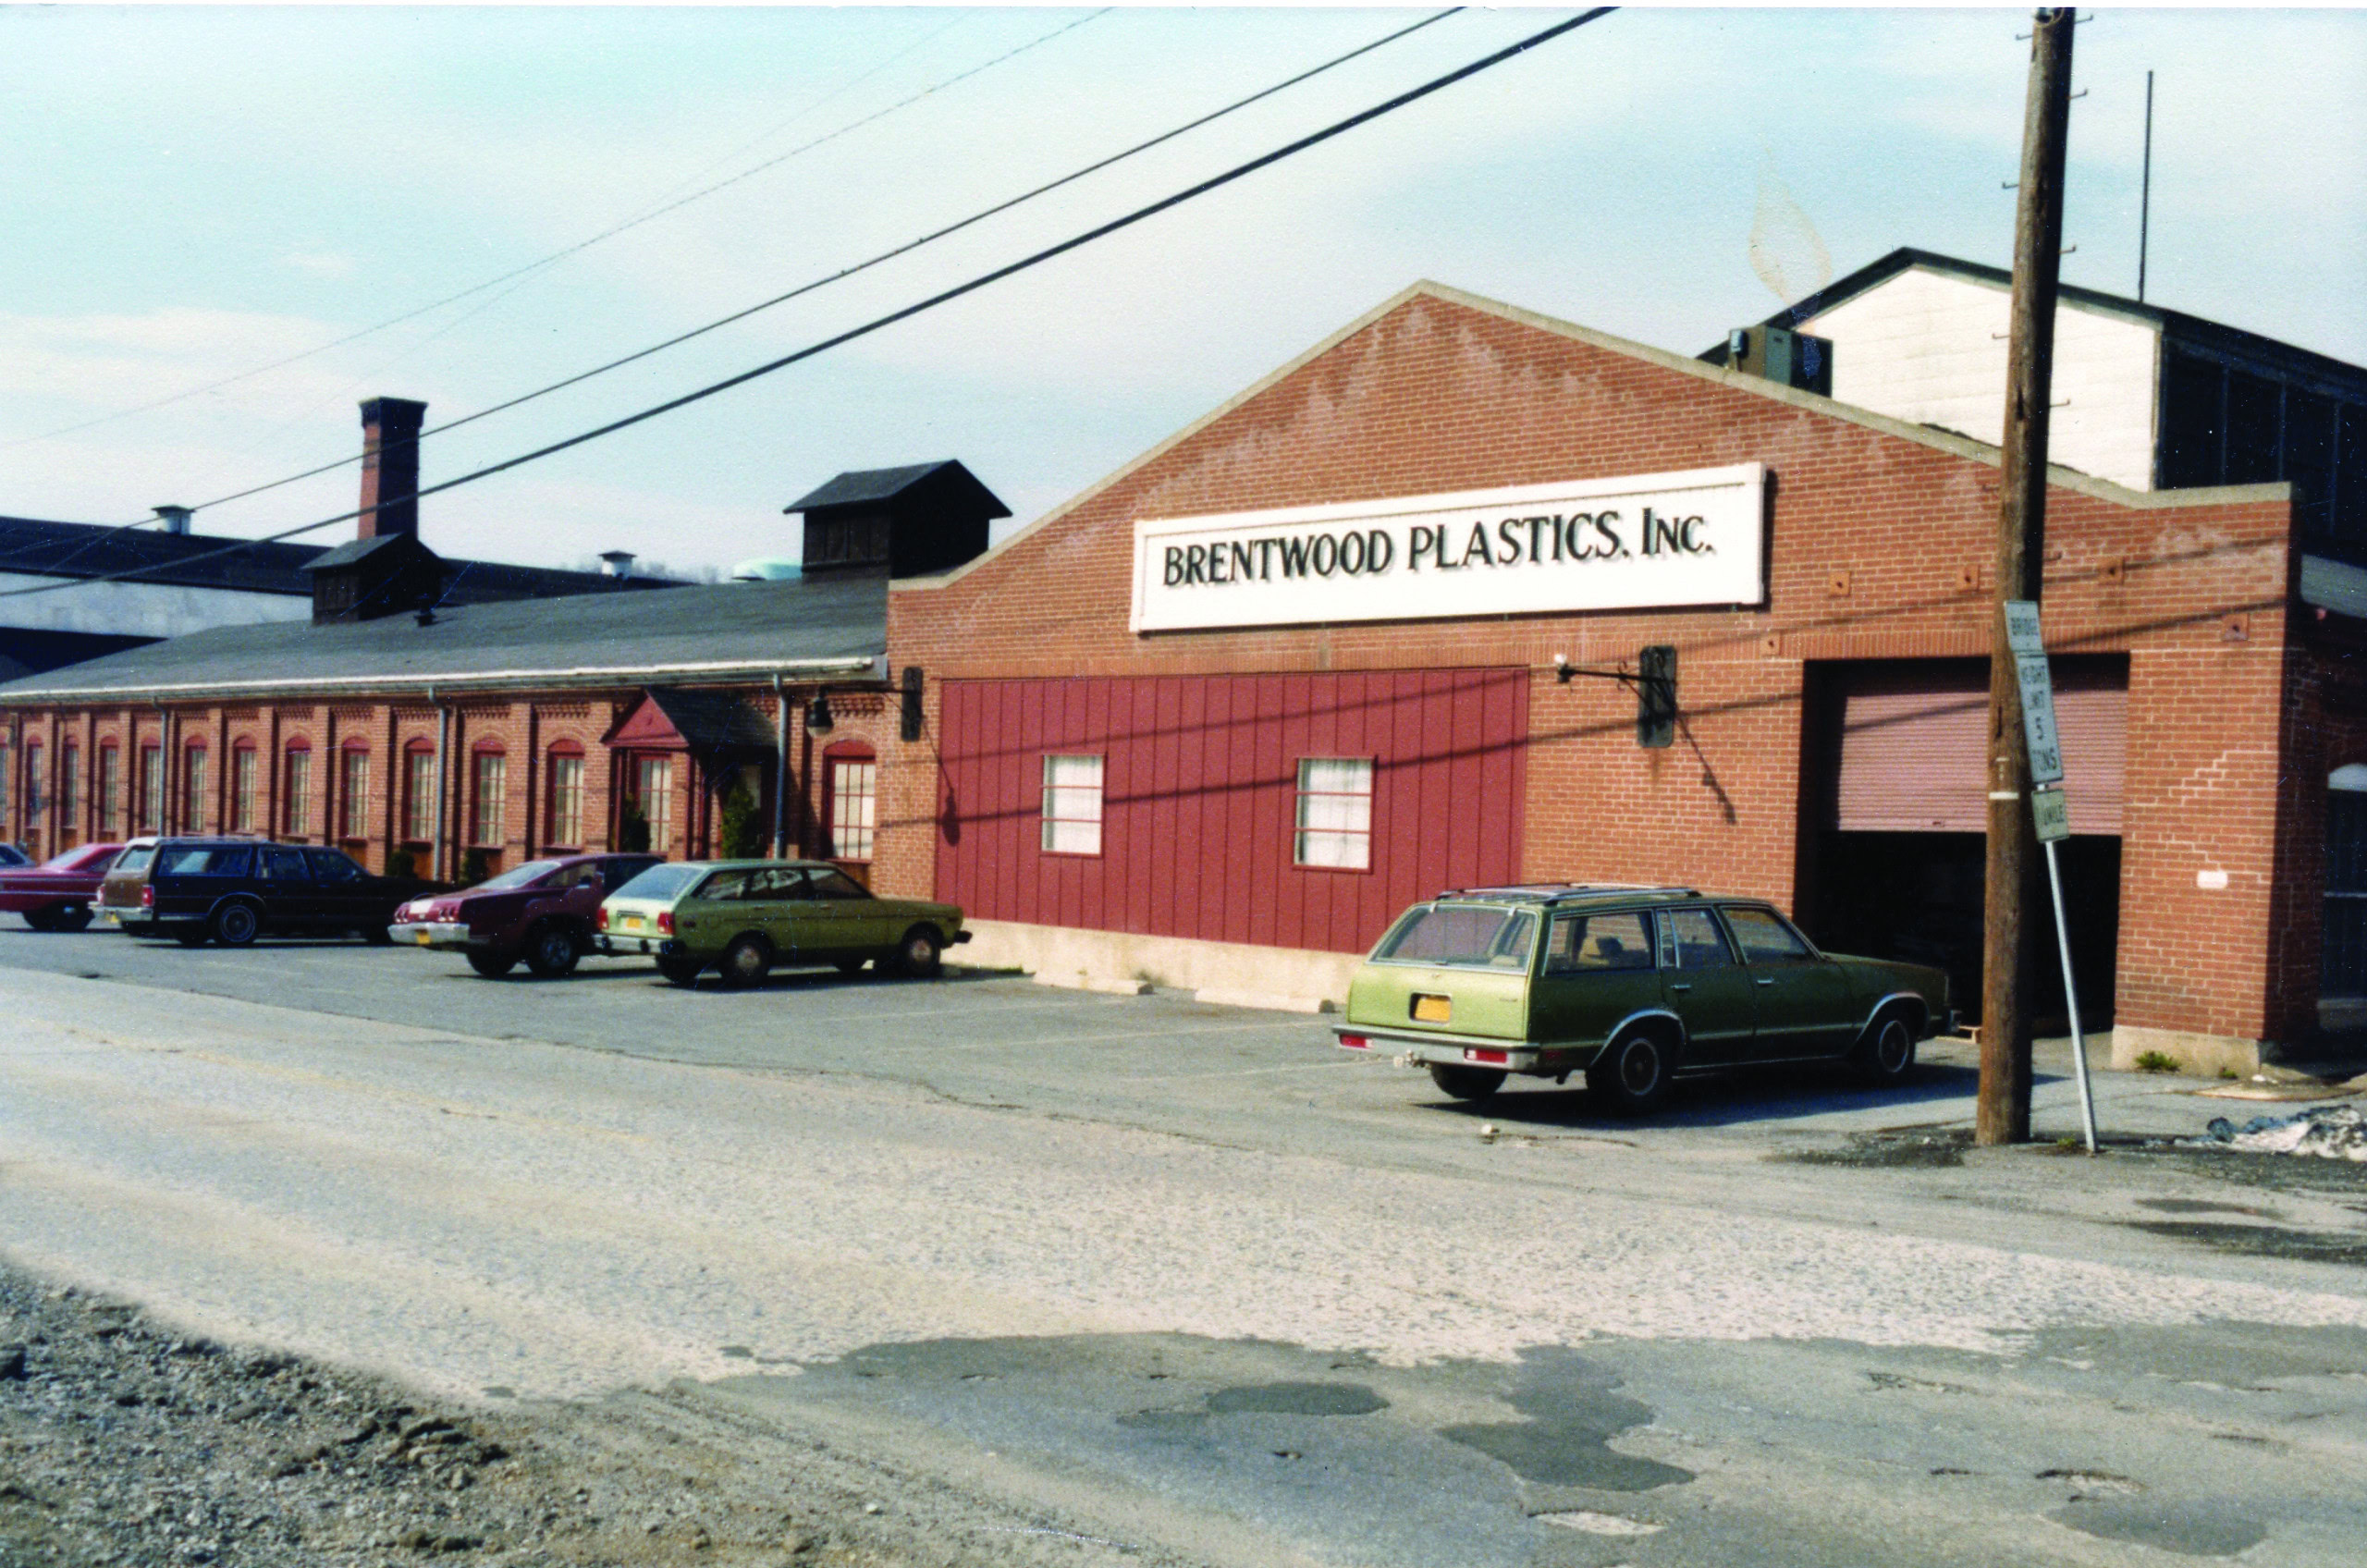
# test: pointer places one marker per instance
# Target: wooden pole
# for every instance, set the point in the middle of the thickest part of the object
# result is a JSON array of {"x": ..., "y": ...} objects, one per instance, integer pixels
[{"x": 2004, "y": 1110}]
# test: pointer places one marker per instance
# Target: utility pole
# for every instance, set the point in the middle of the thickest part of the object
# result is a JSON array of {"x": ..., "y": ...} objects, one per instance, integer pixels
[{"x": 2003, "y": 1112}]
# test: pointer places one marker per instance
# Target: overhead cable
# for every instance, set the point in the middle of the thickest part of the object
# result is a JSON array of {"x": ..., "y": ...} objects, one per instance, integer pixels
[
  {"x": 878, "y": 323},
  {"x": 586, "y": 244}
]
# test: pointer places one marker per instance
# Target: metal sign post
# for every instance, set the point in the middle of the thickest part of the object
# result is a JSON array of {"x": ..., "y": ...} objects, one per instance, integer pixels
[{"x": 2050, "y": 814}]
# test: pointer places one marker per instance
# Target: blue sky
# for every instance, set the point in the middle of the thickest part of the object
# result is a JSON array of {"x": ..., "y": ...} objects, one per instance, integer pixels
[{"x": 191, "y": 192}]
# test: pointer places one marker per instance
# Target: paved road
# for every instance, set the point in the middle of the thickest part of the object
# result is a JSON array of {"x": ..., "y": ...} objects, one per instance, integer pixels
[{"x": 1184, "y": 1278}]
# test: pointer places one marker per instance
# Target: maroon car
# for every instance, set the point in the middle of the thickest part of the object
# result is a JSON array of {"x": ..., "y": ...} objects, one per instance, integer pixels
[
  {"x": 57, "y": 894},
  {"x": 541, "y": 912}
]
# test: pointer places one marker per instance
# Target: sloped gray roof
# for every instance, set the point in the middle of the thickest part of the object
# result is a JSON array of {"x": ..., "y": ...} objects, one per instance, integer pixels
[
  {"x": 871, "y": 484},
  {"x": 189, "y": 561},
  {"x": 805, "y": 628}
]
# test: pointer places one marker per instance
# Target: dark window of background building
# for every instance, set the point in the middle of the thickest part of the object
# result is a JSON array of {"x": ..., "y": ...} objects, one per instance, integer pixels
[
  {"x": 2309, "y": 461},
  {"x": 2349, "y": 525},
  {"x": 2190, "y": 393},
  {"x": 2255, "y": 407}
]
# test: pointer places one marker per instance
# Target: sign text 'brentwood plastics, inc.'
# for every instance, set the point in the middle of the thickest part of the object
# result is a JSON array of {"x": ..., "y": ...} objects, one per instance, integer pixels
[{"x": 1648, "y": 540}]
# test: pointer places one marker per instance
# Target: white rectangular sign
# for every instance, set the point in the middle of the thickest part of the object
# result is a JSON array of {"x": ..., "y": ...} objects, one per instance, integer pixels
[{"x": 1645, "y": 541}]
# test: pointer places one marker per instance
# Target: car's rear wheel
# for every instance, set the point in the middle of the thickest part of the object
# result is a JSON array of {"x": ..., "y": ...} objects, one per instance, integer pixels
[
  {"x": 747, "y": 960},
  {"x": 1885, "y": 1054},
  {"x": 1466, "y": 1083},
  {"x": 681, "y": 971},
  {"x": 236, "y": 925},
  {"x": 43, "y": 919},
  {"x": 378, "y": 936},
  {"x": 493, "y": 966},
  {"x": 71, "y": 917},
  {"x": 1632, "y": 1072},
  {"x": 921, "y": 952},
  {"x": 552, "y": 949}
]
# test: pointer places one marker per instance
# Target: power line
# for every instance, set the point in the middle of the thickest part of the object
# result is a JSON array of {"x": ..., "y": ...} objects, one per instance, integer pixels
[
  {"x": 809, "y": 288},
  {"x": 847, "y": 272},
  {"x": 877, "y": 323},
  {"x": 609, "y": 233}
]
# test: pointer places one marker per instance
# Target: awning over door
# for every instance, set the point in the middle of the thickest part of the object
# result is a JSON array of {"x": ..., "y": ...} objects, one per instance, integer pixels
[{"x": 1914, "y": 734}]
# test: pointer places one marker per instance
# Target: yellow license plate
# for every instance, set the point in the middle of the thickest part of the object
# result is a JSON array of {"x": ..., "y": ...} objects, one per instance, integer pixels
[
  {"x": 633, "y": 923},
  {"x": 1433, "y": 1010},
  {"x": 423, "y": 938}
]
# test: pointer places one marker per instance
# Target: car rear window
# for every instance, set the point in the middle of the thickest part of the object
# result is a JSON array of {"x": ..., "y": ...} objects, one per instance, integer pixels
[
  {"x": 1472, "y": 936},
  {"x": 137, "y": 858},
  {"x": 661, "y": 881},
  {"x": 518, "y": 876},
  {"x": 201, "y": 860}
]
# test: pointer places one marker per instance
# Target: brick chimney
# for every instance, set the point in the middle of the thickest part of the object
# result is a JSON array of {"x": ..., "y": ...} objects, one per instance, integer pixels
[{"x": 390, "y": 466}]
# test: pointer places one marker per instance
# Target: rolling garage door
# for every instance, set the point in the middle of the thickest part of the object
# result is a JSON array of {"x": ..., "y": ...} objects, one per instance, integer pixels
[{"x": 1913, "y": 745}]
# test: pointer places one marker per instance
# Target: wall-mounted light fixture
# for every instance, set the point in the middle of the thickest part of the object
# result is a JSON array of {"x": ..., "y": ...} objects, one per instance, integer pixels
[
  {"x": 818, "y": 715},
  {"x": 1654, "y": 679}
]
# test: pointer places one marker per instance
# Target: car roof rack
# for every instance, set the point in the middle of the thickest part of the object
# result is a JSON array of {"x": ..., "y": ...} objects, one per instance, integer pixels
[{"x": 1554, "y": 892}]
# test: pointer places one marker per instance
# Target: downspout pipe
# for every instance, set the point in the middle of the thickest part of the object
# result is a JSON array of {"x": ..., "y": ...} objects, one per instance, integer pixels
[
  {"x": 780, "y": 771},
  {"x": 442, "y": 781}
]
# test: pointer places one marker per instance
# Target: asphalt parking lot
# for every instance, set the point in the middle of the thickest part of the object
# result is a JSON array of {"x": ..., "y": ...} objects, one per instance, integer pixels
[{"x": 1162, "y": 1062}]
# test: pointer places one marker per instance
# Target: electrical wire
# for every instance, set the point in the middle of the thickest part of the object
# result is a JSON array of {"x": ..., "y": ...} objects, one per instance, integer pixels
[
  {"x": 878, "y": 324},
  {"x": 804, "y": 289},
  {"x": 850, "y": 271},
  {"x": 580, "y": 245}
]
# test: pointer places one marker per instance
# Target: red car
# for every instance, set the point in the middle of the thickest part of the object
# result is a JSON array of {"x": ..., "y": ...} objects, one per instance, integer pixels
[
  {"x": 541, "y": 912},
  {"x": 57, "y": 894}
]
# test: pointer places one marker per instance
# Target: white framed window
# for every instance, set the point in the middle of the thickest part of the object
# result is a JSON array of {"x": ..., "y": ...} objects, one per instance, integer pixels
[
  {"x": 299, "y": 809},
  {"x": 1071, "y": 805},
  {"x": 242, "y": 790},
  {"x": 853, "y": 806},
  {"x": 567, "y": 799},
  {"x": 489, "y": 799},
  {"x": 1334, "y": 813}
]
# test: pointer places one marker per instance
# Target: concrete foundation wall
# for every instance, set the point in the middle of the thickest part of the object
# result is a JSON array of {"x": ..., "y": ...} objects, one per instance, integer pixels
[{"x": 1234, "y": 973}]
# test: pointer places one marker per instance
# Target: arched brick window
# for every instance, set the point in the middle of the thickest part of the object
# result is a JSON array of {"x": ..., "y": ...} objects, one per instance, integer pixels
[
  {"x": 245, "y": 788},
  {"x": 419, "y": 793},
  {"x": 193, "y": 788},
  {"x": 849, "y": 800},
  {"x": 110, "y": 790},
  {"x": 563, "y": 801},
  {"x": 353, "y": 791},
  {"x": 296, "y": 785},
  {"x": 488, "y": 794}
]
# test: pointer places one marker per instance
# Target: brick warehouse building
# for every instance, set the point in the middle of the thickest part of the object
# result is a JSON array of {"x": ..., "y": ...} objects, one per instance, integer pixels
[
  {"x": 468, "y": 738},
  {"x": 1157, "y": 749}
]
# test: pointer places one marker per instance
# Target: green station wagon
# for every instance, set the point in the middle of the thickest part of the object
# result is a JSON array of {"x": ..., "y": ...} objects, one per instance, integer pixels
[
  {"x": 744, "y": 917},
  {"x": 1631, "y": 986}
]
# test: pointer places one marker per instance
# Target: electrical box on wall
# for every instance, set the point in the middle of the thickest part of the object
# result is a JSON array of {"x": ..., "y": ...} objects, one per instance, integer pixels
[
  {"x": 1656, "y": 696},
  {"x": 1779, "y": 354}
]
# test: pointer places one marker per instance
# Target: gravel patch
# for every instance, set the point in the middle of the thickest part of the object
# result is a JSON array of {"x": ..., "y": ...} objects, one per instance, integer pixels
[{"x": 124, "y": 1444}]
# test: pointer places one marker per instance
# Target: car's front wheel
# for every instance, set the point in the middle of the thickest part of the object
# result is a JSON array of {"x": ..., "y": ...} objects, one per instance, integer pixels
[
  {"x": 1466, "y": 1083},
  {"x": 921, "y": 952},
  {"x": 681, "y": 971},
  {"x": 1885, "y": 1055},
  {"x": 552, "y": 949},
  {"x": 1632, "y": 1074},
  {"x": 492, "y": 965},
  {"x": 747, "y": 960},
  {"x": 236, "y": 925}
]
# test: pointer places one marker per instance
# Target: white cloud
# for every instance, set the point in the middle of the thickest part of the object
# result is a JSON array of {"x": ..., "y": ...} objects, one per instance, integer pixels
[{"x": 319, "y": 264}]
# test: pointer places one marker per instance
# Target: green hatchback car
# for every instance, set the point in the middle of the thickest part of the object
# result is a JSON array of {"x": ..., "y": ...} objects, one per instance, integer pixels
[
  {"x": 1631, "y": 986},
  {"x": 743, "y": 918}
]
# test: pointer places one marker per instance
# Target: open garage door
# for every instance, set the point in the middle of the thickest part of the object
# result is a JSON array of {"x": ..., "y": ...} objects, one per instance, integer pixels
[
  {"x": 1895, "y": 801},
  {"x": 1913, "y": 745}
]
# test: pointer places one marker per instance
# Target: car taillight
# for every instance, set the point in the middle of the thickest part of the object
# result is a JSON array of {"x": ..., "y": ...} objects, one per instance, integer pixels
[
  {"x": 600, "y": 920},
  {"x": 1475, "y": 1053},
  {"x": 147, "y": 895},
  {"x": 664, "y": 922},
  {"x": 1355, "y": 1042}
]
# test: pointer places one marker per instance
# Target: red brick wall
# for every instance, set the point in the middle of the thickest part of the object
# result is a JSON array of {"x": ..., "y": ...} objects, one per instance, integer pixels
[{"x": 1880, "y": 547}]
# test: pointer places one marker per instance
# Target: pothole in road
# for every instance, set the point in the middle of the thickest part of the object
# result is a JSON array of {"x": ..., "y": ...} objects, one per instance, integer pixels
[
  {"x": 2261, "y": 1241},
  {"x": 1930, "y": 1148},
  {"x": 2188, "y": 1529},
  {"x": 1572, "y": 1414}
]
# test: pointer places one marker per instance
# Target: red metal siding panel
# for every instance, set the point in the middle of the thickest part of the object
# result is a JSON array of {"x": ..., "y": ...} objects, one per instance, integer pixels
[{"x": 1200, "y": 799}]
